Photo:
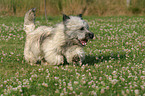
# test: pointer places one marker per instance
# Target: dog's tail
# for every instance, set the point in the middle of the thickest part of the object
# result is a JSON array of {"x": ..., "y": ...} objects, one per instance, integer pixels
[{"x": 29, "y": 21}]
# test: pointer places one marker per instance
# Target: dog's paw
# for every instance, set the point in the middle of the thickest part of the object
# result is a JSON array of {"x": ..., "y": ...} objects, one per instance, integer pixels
[
  {"x": 77, "y": 60},
  {"x": 34, "y": 64},
  {"x": 45, "y": 63}
]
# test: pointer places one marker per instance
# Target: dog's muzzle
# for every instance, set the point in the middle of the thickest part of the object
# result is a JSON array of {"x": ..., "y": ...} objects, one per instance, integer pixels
[{"x": 84, "y": 41}]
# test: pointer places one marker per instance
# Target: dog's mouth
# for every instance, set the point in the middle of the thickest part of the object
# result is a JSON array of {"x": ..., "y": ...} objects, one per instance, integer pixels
[{"x": 83, "y": 42}]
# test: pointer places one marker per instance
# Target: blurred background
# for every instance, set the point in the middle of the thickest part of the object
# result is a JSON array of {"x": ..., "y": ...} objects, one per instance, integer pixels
[{"x": 73, "y": 7}]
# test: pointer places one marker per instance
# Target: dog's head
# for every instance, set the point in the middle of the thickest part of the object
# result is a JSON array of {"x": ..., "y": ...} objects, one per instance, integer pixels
[{"x": 77, "y": 29}]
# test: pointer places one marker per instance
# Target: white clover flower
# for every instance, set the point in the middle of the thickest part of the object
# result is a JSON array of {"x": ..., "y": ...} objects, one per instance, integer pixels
[
  {"x": 102, "y": 82},
  {"x": 84, "y": 82},
  {"x": 34, "y": 75},
  {"x": 114, "y": 81},
  {"x": 142, "y": 77},
  {"x": 123, "y": 93},
  {"x": 76, "y": 82},
  {"x": 127, "y": 91},
  {"x": 64, "y": 89},
  {"x": 136, "y": 78},
  {"x": 69, "y": 84},
  {"x": 71, "y": 88},
  {"x": 143, "y": 72},
  {"x": 47, "y": 71},
  {"x": 74, "y": 92},
  {"x": 61, "y": 94},
  {"x": 102, "y": 91},
  {"x": 15, "y": 89},
  {"x": 64, "y": 83},
  {"x": 56, "y": 91},
  {"x": 130, "y": 86},
  {"x": 136, "y": 91},
  {"x": 25, "y": 81},
  {"x": 78, "y": 74},
  {"x": 65, "y": 93},
  {"x": 44, "y": 84},
  {"x": 56, "y": 78},
  {"x": 1, "y": 85},
  {"x": 100, "y": 78},
  {"x": 19, "y": 87},
  {"x": 81, "y": 93},
  {"x": 114, "y": 72},
  {"x": 107, "y": 87},
  {"x": 93, "y": 93},
  {"x": 89, "y": 74},
  {"x": 5, "y": 82}
]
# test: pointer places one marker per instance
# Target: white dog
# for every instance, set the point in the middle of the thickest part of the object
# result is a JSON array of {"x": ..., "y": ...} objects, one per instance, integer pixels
[{"x": 53, "y": 44}]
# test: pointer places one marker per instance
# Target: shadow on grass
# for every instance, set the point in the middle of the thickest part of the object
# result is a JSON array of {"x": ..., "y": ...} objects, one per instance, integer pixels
[{"x": 91, "y": 60}]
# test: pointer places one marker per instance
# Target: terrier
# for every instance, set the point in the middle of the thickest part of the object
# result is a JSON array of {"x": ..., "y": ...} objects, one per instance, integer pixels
[{"x": 54, "y": 44}]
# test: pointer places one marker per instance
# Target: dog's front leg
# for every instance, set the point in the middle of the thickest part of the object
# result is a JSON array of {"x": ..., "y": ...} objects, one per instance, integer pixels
[{"x": 75, "y": 54}]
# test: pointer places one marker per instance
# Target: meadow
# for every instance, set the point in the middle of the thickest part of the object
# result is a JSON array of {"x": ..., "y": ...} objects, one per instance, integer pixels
[{"x": 114, "y": 64}]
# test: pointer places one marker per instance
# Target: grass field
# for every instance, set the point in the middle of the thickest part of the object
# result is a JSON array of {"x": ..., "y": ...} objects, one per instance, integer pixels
[{"x": 114, "y": 64}]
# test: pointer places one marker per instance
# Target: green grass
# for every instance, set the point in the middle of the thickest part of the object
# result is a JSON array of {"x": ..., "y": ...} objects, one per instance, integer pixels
[{"x": 114, "y": 64}]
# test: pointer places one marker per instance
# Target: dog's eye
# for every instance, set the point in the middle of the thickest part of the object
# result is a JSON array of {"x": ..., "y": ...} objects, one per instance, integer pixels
[{"x": 82, "y": 28}]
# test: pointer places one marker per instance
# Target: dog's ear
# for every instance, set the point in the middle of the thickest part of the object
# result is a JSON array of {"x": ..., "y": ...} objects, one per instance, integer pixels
[
  {"x": 83, "y": 11},
  {"x": 65, "y": 17},
  {"x": 33, "y": 9},
  {"x": 80, "y": 15}
]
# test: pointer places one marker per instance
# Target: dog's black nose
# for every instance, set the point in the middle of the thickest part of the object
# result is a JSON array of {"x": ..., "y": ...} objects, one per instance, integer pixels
[{"x": 90, "y": 35}]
